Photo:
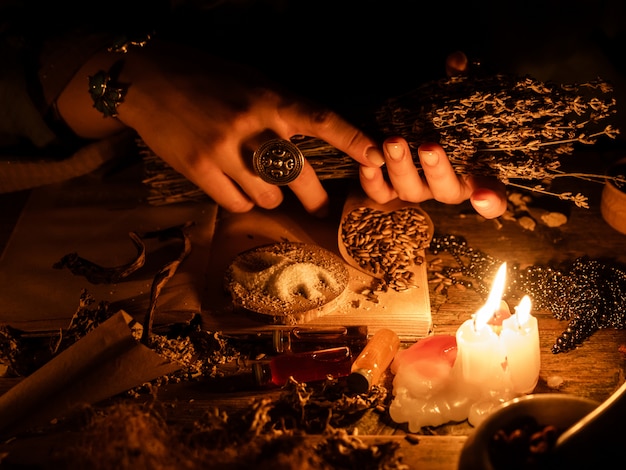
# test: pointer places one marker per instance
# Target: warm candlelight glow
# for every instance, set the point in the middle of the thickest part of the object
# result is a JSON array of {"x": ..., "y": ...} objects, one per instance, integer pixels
[
  {"x": 522, "y": 311},
  {"x": 498, "y": 353},
  {"x": 493, "y": 357},
  {"x": 520, "y": 336},
  {"x": 492, "y": 305},
  {"x": 426, "y": 390}
]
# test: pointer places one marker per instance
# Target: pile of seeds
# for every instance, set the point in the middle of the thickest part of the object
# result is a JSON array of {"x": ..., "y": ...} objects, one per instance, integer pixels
[
  {"x": 529, "y": 445},
  {"x": 387, "y": 244}
]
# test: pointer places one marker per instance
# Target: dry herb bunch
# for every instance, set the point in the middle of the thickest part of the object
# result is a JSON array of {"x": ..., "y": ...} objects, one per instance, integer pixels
[{"x": 515, "y": 128}]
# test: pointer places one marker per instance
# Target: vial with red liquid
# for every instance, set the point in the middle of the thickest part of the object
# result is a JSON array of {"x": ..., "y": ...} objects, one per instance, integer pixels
[{"x": 304, "y": 367}]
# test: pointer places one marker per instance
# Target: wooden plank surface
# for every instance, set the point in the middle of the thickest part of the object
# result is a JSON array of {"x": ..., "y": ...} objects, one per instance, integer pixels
[{"x": 594, "y": 370}]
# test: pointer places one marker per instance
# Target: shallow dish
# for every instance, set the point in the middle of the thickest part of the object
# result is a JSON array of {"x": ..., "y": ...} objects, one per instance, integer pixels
[{"x": 286, "y": 282}]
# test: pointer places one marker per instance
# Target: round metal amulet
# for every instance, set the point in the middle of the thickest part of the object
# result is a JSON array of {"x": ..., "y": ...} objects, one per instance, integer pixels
[{"x": 278, "y": 161}]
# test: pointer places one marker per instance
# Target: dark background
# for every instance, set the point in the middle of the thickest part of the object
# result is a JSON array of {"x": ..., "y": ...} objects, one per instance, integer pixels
[
  {"x": 348, "y": 52},
  {"x": 352, "y": 54}
]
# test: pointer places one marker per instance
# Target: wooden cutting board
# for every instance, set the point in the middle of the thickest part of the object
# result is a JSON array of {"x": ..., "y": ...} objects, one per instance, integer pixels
[{"x": 408, "y": 312}]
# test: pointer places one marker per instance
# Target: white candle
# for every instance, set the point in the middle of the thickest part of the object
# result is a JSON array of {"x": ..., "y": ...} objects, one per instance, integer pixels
[
  {"x": 493, "y": 357},
  {"x": 499, "y": 352},
  {"x": 480, "y": 351},
  {"x": 520, "y": 336}
]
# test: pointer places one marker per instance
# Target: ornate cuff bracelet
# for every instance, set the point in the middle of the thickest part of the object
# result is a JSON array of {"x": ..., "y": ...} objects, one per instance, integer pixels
[
  {"x": 104, "y": 89},
  {"x": 106, "y": 92}
]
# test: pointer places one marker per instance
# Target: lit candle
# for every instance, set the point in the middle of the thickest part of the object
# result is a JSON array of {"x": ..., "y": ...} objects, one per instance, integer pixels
[
  {"x": 481, "y": 355},
  {"x": 493, "y": 357},
  {"x": 498, "y": 353},
  {"x": 520, "y": 336}
]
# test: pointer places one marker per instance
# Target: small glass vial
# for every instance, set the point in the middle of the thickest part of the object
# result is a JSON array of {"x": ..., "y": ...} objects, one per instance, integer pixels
[
  {"x": 373, "y": 360},
  {"x": 305, "y": 367},
  {"x": 302, "y": 338}
]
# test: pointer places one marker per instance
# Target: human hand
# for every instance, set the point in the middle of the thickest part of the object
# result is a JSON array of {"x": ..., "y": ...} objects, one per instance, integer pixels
[
  {"x": 205, "y": 117},
  {"x": 439, "y": 181}
]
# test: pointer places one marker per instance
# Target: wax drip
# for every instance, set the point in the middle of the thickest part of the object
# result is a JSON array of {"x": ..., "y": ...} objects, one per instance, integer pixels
[{"x": 588, "y": 293}]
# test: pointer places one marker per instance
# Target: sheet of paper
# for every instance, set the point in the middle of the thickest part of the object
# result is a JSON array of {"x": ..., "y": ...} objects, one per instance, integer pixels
[
  {"x": 92, "y": 217},
  {"x": 104, "y": 363}
]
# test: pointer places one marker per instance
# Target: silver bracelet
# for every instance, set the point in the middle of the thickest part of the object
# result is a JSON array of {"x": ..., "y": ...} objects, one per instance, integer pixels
[{"x": 106, "y": 92}]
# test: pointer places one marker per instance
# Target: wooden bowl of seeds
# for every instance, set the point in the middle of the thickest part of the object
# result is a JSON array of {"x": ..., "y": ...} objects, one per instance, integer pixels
[{"x": 385, "y": 241}]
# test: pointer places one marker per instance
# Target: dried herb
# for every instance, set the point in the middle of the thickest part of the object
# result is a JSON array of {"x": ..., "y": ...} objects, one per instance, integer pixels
[
  {"x": 266, "y": 434},
  {"x": 24, "y": 352},
  {"x": 97, "y": 274},
  {"x": 341, "y": 450},
  {"x": 85, "y": 319},
  {"x": 515, "y": 128},
  {"x": 165, "y": 274}
]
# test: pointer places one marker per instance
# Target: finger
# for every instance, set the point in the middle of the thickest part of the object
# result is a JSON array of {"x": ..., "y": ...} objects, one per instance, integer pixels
[
  {"x": 326, "y": 125},
  {"x": 221, "y": 189},
  {"x": 263, "y": 194},
  {"x": 375, "y": 186},
  {"x": 445, "y": 185},
  {"x": 223, "y": 175},
  {"x": 309, "y": 190},
  {"x": 403, "y": 173},
  {"x": 488, "y": 197},
  {"x": 237, "y": 164},
  {"x": 307, "y": 186}
]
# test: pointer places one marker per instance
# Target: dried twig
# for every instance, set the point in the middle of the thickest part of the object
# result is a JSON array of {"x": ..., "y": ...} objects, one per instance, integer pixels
[
  {"x": 97, "y": 274},
  {"x": 161, "y": 279}
]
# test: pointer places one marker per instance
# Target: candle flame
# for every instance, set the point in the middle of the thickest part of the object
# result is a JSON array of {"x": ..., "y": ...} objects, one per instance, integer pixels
[
  {"x": 492, "y": 305},
  {"x": 522, "y": 311}
]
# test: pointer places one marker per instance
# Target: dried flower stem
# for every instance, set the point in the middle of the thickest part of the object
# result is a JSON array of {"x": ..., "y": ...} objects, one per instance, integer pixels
[{"x": 513, "y": 128}]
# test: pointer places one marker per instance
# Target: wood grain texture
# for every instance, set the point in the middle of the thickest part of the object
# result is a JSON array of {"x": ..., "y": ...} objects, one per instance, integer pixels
[{"x": 594, "y": 370}]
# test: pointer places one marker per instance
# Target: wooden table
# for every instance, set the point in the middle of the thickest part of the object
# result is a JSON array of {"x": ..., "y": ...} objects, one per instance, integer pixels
[{"x": 594, "y": 370}]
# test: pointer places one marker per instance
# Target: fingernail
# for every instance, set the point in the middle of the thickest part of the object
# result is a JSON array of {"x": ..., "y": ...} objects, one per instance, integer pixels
[
  {"x": 429, "y": 157},
  {"x": 395, "y": 151},
  {"x": 482, "y": 203},
  {"x": 375, "y": 156},
  {"x": 368, "y": 172}
]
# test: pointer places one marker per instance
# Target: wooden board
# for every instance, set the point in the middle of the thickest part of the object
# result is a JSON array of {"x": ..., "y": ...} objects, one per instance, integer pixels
[
  {"x": 93, "y": 218},
  {"x": 408, "y": 313}
]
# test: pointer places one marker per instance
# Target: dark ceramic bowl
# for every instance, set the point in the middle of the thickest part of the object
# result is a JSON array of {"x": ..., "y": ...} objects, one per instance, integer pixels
[{"x": 559, "y": 410}]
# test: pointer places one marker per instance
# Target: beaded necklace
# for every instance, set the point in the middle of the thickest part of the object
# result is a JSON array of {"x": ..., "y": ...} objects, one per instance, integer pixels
[{"x": 589, "y": 293}]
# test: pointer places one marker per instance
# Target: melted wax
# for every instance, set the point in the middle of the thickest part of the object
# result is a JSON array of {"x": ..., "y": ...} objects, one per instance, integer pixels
[{"x": 429, "y": 390}]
